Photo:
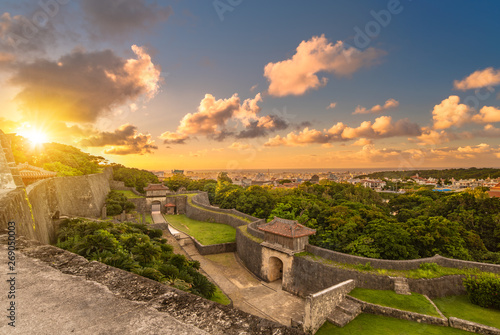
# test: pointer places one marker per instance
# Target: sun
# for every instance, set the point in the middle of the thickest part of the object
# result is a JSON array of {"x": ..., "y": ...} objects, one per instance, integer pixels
[{"x": 36, "y": 137}]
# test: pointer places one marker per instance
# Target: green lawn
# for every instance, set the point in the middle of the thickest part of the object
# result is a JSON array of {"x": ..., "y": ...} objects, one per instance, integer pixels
[
  {"x": 220, "y": 297},
  {"x": 414, "y": 303},
  {"x": 213, "y": 211},
  {"x": 383, "y": 325},
  {"x": 460, "y": 307},
  {"x": 129, "y": 194},
  {"x": 205, "y": 232}
]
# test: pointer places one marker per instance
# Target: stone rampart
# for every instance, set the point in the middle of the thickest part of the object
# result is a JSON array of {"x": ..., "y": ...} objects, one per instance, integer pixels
[
  {"x": 214, "y": 248},
  {"x": 321, "y": 304},
  {"x": 369, "y": 308},
  {"x": 473, "y": 327},
  {"x": 399, "y": 265}
]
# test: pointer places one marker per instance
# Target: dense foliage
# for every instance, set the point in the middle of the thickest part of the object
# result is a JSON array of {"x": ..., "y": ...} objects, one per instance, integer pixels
[
  {"x": 63, "y": 159},
  {"x": 471, "y": 173},
  {"x": 355, "y": 220},
  {"x": 117, "y": 202},
  {"x": 136, "y": 248},
  {"x": 134, "y": 177},
  {"x": 483, "y": 290}
]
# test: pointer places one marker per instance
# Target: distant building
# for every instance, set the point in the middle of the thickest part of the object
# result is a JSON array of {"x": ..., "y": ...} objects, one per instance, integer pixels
[
  {"x": 156, "y": 190},
  {"x": 494, "y": 192},
  {"x": 177, "y": 171},
  {"x": 314, "y": 179},
  {"x": 160, "y": 175},
  {"x": 30, "y": 174}
]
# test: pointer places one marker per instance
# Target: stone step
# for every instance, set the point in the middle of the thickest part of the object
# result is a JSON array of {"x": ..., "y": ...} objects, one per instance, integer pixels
[
  {"x": 339, "y": 318},
  {"x": 401, "y": 286},
  {"x": 350, "y": 307}
]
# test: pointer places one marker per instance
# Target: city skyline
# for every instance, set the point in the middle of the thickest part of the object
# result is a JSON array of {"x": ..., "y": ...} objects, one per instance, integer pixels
[{"x": 228, "y": 85}]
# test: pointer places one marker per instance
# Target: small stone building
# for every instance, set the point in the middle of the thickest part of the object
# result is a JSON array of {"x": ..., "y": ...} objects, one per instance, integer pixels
[
  {"x": 289, "y": 234},
  {"x": 156, "y": 197},
  {"x": 170, "y": 209}
]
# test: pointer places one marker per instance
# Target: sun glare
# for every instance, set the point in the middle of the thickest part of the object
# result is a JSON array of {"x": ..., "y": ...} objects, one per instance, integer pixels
[{"x": 35, "y": 137}]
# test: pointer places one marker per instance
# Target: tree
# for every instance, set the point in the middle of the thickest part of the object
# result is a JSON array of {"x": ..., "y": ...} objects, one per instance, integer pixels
[
  {"x": 177, "y": 181},
  {"x": 223, "y": 177}
]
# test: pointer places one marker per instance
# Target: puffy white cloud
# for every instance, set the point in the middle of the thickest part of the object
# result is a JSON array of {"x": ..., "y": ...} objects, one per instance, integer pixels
[
  {"x": 389, "y": 104},
  {"x": 450, "y": 112},
  {"x": 298, "y": 74},
  {"x": 479, "y": 79}
]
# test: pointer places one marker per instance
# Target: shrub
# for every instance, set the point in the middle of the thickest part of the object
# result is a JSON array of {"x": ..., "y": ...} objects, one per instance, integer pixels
[
  {"x": 483, "y": 290},
  {"x": 429, "y": 266},
  {"x": 364, "y": 267}
]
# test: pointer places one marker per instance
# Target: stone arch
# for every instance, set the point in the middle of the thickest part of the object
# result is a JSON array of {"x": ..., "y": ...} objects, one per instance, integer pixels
[
  {"x": 275, "y": 270},
  {"x": 156, "y": 206}
]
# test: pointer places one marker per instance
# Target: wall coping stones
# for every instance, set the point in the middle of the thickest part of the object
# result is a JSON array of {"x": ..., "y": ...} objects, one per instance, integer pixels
[{"x": 473, "y": 327}]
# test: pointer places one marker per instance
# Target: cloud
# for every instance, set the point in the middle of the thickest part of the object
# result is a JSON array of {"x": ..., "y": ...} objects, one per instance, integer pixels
[
  {"x": 253, "y": 88},
  {"x": 332, "y": 105},
  {"x": 83, "y": 86},
  {"x": 113, "y": 18},
  {"x": 450, "y": 112},
  {"x": 239, "y": 146},
  {"x": 123, "y": 141},
  {"x": 383, "y": 127},
  {"x": 479, "y": 79},
  {"x": 173, "y": 138},
  {"x": 488, "y": 131},
  {"x": 432, "y": 137},
  {"x": 487, "y": 114},
  {"x": 362, "y": 142},
  {"x": 297, "y": 75},
  {"x": 263, "y": 126},
  {"x": 389, "y": 104}
]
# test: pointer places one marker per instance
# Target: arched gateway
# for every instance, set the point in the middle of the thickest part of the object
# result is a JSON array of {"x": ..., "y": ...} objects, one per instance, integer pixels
[{"x": 282, "y": 239}]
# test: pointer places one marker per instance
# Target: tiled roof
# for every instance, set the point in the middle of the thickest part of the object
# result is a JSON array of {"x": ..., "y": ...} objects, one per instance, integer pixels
[
  {"x": 170, "y": 205},
  {"x": 27, "y": 171},
  {"x": 287, "y": 228},
  {"x": 156, "y": 187}
]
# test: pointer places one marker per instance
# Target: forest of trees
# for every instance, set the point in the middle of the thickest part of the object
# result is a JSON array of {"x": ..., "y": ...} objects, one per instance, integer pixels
[
  {"x": 355, "y": 220},
  {"x": 471, "y": 173},
  {"x": 136, "y": 248},
  {"x": 134, "y": 177}
]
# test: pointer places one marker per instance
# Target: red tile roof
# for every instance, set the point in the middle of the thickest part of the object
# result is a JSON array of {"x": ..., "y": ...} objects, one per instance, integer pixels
[
  {"x": 30, "y": 172},
  {"x": 169, "y": 205},
  {"x": 287, "y": 228},
  {"x": 156, "y": 187}
]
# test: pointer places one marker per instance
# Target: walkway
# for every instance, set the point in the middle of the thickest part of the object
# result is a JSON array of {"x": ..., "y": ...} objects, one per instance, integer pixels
[
  {"x": 158, "y": 217},
  {"x": 247, "y": 292}
]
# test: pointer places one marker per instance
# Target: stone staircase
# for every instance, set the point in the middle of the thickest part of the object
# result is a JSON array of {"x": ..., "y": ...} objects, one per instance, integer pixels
[
  {"x": 344, "y": 313},
  {"x": 401, "y": 285}
]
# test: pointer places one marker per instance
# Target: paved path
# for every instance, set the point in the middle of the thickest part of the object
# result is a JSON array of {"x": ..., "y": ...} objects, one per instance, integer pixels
[
  {"x": 157, "y": 217},
  {"x": 247, "y": 292}
]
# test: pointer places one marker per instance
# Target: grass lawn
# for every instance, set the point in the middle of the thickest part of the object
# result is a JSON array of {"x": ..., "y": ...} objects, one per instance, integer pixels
[
  {"x": 460, "y": 307},
  {"x": 129, "y": 194},
  {"x": 414, "y": 303},
  {"x": 205, "y": 232},
  {"x": 213, "y": 211},
  {"x": 220, "y": 297},
  {"x": 383, "y": 325}
]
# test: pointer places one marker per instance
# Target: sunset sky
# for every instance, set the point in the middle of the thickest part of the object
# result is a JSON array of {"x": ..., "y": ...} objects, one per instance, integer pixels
[{"x": 240, "y": 84}]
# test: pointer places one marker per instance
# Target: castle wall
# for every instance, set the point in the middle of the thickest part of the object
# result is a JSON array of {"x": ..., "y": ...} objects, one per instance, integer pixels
[{"x": 33, "y": 209}]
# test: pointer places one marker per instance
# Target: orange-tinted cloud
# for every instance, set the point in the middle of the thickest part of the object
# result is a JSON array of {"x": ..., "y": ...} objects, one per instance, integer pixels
[
  {"x": 389, "y": 104},
  {"x": 297, "y": 75},
  {"x": 479, "y": 79},
  {"x": 383, "y": 127},
  {"x": 125, "y": 140},
  {"x": 332, "y": 105},
  {"x": 487, "y": 114},
  {"x": 83, "y": 86},
  {"x": 450, "y": 112}
]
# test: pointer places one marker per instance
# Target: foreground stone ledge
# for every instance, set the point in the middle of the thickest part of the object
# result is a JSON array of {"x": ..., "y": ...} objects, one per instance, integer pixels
[
  {"x": 473, "y": 327},
  {"x": 186, "y": 308}
]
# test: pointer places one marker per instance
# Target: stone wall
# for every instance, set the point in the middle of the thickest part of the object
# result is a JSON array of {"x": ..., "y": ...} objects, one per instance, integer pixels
[
  {"x": 214, "y": 248},
  {"x": 473, "y": 327},
  {"x": 367, "y": 307},
  {"x": 438, "y": 287},
  {"x": 198, "y": 210},
  {"x": 141, "y": 205},
  {"x": 35, "y": 208},
  {"x": 312, "y": 276},
  {"x": 399, "y": 265},
  {"x": 249, "y": 252},
  {"x": 321, "y": 304}
]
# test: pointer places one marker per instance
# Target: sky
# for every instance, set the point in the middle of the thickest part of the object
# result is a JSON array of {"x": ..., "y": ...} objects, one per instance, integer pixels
[{"x": 239, "y": 84}]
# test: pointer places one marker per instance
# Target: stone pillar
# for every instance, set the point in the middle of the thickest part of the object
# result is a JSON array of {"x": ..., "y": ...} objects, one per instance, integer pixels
[
  {"x": 123, "y": 216},
  {"x": 104, "y": 213}
]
